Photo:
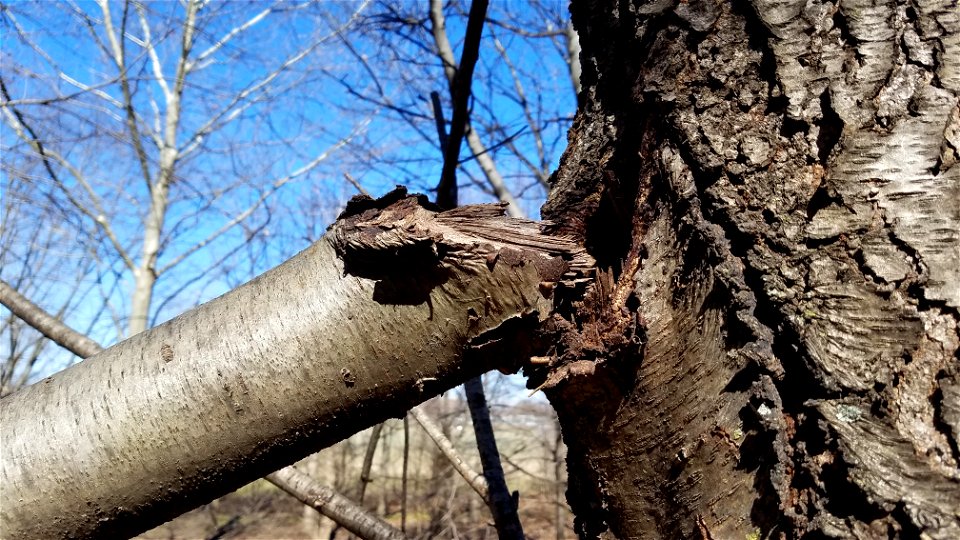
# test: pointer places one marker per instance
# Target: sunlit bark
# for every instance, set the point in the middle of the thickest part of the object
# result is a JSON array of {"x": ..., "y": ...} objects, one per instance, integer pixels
[
  {"x": 392, "y": 307},
  {"x": 770, "y": 348}
]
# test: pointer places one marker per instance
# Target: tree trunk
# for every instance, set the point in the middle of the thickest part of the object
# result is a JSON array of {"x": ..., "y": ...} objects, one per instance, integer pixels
[
  {"x": 770, "y": 348},
  {"x": 393, "y": 306}
]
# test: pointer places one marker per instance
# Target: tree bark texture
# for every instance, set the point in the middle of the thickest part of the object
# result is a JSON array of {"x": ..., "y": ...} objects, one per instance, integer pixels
[
  {"x": 394, "y": 305},
  {"x": 317, "y": 497},
  {"x": 770, "y": 347}
]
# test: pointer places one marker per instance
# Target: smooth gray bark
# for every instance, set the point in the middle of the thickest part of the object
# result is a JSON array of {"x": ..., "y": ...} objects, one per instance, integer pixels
[
  {"x": 473, "y": 478},
  {"x": 390, "y": 308},
  {"x": 325, "y": 500},
  {"x": 365, "y": 477}
]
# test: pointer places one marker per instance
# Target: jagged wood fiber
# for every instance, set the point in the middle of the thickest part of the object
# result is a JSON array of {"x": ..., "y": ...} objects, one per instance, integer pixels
[{"x": 770, "y": 191}]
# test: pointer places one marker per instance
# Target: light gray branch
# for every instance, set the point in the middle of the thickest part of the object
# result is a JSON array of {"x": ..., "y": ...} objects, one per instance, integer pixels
[
  {"x": 324, "y": 499},
  {"x": 335, "y": 506},
  {"x": 474, "y": 478},
  {"x": 46, "y": 324}
]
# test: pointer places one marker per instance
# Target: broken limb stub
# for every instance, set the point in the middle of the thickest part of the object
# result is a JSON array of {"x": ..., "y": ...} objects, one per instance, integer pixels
[
  {"x": 407, "y": 229},
  {"x": 366, "y": 323}
]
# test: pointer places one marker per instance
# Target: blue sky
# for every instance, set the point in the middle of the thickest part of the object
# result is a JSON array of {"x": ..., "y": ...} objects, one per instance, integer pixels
[{"x": 342, "y": 97}]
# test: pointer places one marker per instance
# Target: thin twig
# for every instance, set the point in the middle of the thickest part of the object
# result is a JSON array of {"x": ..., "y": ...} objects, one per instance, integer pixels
[
  {"x": 368, "y": 459},
  {"x": 356, "y": 184},
  {"x": 474, "y": 479}
]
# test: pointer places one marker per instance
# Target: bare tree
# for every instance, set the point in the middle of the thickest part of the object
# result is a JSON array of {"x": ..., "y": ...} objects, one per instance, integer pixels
[
  {"x": 148, "y": 103},
  {"x": 160, "y": 149},
  {"x": 519, "y": 108}
]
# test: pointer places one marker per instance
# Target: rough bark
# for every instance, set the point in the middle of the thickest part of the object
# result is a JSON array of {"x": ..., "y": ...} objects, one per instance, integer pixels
[
  {"x": 394, "y": 305},
  {"x": 770, "y": 348}
]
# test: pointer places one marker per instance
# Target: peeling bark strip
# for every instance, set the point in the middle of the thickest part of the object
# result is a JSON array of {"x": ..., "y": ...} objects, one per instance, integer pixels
[
  {"x": 299, "y": 358},
  {"x": 770, "y": 189}
]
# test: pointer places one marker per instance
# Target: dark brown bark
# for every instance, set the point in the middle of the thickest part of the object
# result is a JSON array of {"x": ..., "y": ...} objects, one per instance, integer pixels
[
  {"x": 460, "y": 95},
  {"x": 770, "y": 346}
]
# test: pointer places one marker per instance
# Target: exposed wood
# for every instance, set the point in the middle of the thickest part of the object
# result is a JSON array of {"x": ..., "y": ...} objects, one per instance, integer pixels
[{"x": 498, "y": 499}]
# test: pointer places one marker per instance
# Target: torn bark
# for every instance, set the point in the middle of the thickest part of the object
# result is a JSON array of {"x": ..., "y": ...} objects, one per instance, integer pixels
[{"x": 323, "y": 346}]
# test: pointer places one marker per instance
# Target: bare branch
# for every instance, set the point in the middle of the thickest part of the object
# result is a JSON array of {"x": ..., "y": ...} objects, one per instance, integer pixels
[
  {"x": 228, "y": 36},
  {"x": 229, "y": 112},
  {"x": 461, "y": 78},
  {"x": 474, "y": 479},
  {"x": 84, "y": 89},
  {"x": 355, "y": 184},
  {"x": 445, "y": 52},
  {"x": 46, "y": 324},
  {"x": 147, "y": 44},
  {"x": 276, "y": 185},
  {"x": 539, "y": 172},
  {"x": 93, "y": 90},
  {"x": 16, "y": 121},
  {"x": 119, "y": 58},
  {"x": 328, "y": 502}
]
